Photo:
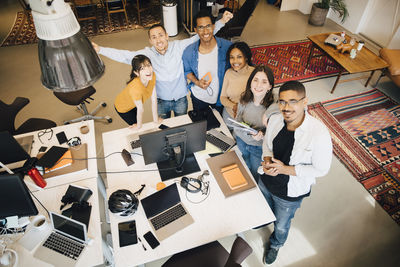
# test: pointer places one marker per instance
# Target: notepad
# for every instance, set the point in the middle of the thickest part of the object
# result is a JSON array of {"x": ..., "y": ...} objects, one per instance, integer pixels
[
  {"x": 233, "y": 176},
  {"x": 64, "y": 161}
]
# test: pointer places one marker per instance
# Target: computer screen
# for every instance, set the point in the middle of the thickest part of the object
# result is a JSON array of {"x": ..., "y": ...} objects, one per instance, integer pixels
[
  {"x": 172, "y": 149},
  {"x": 15, "y": 198},
  {"x": 11, "y": 150}
]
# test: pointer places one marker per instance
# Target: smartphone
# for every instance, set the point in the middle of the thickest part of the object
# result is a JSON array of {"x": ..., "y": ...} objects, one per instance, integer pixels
[
  {"x": 163, "y": 126},
  {"x": 127, "y": 233},
  {"x": 151, "y": 239},
  {"x": 62, "y": 138}
]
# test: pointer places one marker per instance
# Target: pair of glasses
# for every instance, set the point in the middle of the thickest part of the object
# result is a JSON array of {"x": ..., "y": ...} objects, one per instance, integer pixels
[
  {"x": 291, "y": 102},
  {"x": 202, "y": 28},
  {"x": 47, "y": 131}
]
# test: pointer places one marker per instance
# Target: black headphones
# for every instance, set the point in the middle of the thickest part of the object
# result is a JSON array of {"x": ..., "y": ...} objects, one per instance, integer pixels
[{"x": 191, "y": 185}]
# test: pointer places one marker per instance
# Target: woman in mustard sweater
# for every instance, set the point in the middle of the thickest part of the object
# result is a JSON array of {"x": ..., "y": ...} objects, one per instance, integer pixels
[{"x": 129, "y": 103}]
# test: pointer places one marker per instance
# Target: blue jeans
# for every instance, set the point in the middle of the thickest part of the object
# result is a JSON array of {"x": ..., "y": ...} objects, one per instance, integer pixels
[
  {"x": 251, "y": 155},
  {"x": 179, "y": 107},
  {"x": 284, "y": 212}
]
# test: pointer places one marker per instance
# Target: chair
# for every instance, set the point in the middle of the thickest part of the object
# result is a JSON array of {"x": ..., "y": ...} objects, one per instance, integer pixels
[
  {"x": 140, "y": 7},
  {"x": 392, "y": 57},
  {"x": 9, "y": 112},
  {"x": 80, "y": 98},
  {"x": 84, "y": 9},
  {"x": 116, "y": 6},
  {"x": 211, "y": 255}
]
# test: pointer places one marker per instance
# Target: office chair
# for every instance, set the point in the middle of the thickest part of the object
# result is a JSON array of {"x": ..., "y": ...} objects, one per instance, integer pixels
[
  {"x": 211, "y": 255},
  {"x": 80, "y": 98},
  {"x": 9, "y": 112}
]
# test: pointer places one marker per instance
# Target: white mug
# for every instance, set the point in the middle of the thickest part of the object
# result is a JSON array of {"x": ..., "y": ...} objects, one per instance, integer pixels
[{"x": 360, "y": 45}]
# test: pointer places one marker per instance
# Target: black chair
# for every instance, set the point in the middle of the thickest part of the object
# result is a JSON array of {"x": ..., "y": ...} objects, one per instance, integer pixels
[
  {"x": 80, "y": 98},
  {"x": 211, "y": 255},
  {"x": 9, "y": 112}
]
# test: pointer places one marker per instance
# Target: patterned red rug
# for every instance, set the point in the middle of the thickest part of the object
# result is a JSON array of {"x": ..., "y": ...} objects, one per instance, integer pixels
[
  {"x": 365, "y": 131},
  {"x": 288, "y": 61},
  {"x": 23, "y": 31}
]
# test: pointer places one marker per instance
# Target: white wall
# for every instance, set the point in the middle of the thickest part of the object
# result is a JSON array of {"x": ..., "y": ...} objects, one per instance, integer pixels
[
  {"x": 395, "y": 42},
  {"x": 356, "y": 10},
  {"x": 305, "y": 6},
  {"x": 289, "y": 5}
]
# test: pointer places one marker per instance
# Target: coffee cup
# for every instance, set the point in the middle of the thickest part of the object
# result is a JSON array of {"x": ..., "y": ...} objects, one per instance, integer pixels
[
  {"x": 360, "y": 45},
  {"x": 39, "y": 223}
]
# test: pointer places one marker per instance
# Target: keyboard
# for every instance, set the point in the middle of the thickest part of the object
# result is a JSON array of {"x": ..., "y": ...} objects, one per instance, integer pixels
[
  {"x": 219, "y": 140},
  {"x": 136, "y": 144},
  {"x": 64, "y": 245},
  {"x": 168, "y": 216}
]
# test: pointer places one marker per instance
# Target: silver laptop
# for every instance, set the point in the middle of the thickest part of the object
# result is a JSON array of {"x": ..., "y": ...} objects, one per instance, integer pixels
[
  {"x": 65, "y": 244},
  {"x": 165, "y": 212},
  {"x": 220, "y": 140}
]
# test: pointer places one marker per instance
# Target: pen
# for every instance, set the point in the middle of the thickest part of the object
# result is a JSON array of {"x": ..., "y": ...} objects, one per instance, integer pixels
[{"x": 142, "y": 243}]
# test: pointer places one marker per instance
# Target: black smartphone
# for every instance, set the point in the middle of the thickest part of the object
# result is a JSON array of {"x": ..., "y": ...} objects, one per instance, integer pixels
[
  {"x": 62, "y": 138},
  {"x": 127, "y": 233},
  {"x": 163, "y": 126},
  {"x": 151, "y": 239},
  {"x": 42, "y": 148}
]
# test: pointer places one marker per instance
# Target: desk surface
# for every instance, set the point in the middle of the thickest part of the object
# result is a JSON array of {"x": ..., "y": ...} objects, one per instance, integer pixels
[
  {"x": 365, "y": 60},
  {"x": 51, "y": 199},
  {"x": 71, "y": 130},
  {"x": 215, "y": 218}
]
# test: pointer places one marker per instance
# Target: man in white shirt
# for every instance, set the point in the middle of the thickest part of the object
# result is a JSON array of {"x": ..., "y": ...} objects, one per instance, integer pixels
[
  {"x": 297, "y": 148},
  {"x": 166, "y": 59}
]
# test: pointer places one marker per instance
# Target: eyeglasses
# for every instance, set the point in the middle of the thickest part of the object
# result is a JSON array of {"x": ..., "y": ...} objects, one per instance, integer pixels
[
  {"x": 202, "y": 28},
  {"x": 291, "y": 102},
  {"x": 41, "y": 133}
]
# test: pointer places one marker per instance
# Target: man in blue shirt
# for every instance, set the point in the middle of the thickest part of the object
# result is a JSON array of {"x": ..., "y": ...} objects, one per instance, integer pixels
[
  {"x": 166, "y": 59},
  {"x": 205, "y": 64}
]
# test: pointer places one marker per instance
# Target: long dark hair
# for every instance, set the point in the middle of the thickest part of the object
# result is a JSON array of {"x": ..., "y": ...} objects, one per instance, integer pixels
[
  {"x": 248, "y": 96},
  {"x": 137, "y": 63},
  {"x": 244, "y": 48}
]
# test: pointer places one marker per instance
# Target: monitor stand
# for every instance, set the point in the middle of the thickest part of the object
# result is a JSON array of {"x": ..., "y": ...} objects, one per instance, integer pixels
[{"x": 168, "y": 170}]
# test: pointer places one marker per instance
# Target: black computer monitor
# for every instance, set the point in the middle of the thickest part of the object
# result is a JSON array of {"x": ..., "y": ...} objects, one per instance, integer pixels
[
  {"x": 10, "y": 150},
  {"x": 15, "y": 199},
  {"x": 172, "y": 149}
]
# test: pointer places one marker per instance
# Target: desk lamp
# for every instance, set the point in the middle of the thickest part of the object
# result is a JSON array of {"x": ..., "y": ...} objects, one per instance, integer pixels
[{"x": 67, "y": 59}]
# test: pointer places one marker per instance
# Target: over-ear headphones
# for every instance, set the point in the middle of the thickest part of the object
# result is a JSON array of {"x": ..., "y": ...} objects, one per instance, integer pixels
[{"x": 192, "y": 185}]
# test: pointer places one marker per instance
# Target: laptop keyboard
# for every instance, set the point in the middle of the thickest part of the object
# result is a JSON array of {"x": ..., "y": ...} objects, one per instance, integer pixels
[
  {"x": 168, "y": 216},
  {"x": 64, "y": 245},
  {"x": 217, "y": 142}
]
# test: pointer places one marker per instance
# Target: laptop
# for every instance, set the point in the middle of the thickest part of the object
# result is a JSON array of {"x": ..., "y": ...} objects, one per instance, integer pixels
[
  {"x": 66, "y": 242},
  {"x": 220, "y": 140},
  {"x": 165, "y": 212}
]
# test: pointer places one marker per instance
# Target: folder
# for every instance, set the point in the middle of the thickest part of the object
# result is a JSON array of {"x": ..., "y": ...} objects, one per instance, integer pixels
[
  {"x": 233, "y": 176},
  {"x": 64, "y": 161},
  {"x": 51, "y": 157}
]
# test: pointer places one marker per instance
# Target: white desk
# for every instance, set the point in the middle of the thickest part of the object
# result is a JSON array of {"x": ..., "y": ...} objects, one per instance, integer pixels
[
  {"x": 71, "y": 130},
  {"x": 215, "y": 218},
  {"x": 51, "y": 199}
]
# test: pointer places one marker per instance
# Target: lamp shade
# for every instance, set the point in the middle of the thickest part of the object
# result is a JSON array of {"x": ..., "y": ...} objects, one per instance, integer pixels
[
  {"x": 67, "y": 59},
  {"x": 69, "y": 64}
]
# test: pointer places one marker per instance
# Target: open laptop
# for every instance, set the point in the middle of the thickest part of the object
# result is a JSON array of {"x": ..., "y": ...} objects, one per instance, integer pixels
[
  {"x": 66, "y": 242},
  {"x": 165, "y": 212}
]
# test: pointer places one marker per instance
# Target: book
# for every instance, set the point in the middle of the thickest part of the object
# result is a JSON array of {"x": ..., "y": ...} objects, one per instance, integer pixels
[
  {"x": 51, "y": 157},
  {"x": 64, "y": 161},
  {"x": 233, "y": 176}
]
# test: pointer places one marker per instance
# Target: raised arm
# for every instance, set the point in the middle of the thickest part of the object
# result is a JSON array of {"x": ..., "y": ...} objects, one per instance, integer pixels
[
  {"x": 227, "y": 16},
  {"x": 122, "y": 56}
]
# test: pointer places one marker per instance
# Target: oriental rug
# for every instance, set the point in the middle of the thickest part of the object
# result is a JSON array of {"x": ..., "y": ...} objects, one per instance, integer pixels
[
  {"x": 23, "y": 31},
  {"x": 365, "y": 130},
  {"x": 288, "y": 61}
]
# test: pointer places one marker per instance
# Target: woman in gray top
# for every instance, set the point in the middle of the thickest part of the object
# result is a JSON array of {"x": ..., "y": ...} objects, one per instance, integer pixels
[{"x": 255, "y": 106}]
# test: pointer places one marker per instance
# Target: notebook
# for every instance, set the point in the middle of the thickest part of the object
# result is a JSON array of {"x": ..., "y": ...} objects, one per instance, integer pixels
[
  {"x": 233, "y": 176},
  {"x": 64, "y": 161},
  {"x": 65, "y": 244},
  {"x": 165, "y": 212},
  {"x": 51, "y": 157}
]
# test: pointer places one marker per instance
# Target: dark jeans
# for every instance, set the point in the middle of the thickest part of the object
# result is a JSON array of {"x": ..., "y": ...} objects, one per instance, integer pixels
[
  {"x": 129, "y": 117},
  {"x": 179, "y": 107},
  {"x": 199, "y": 105}
]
